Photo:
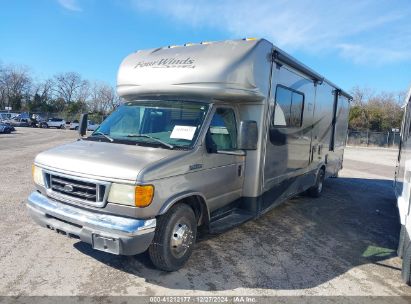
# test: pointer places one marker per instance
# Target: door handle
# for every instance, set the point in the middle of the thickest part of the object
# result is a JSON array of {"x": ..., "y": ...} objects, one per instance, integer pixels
[{"x": 239, "y": 170}]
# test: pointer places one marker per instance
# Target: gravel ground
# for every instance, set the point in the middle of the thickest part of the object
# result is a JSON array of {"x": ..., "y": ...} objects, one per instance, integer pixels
[{"x": 340, "y": 244}]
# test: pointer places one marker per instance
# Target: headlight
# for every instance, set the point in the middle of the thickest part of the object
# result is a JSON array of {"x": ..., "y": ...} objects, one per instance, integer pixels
[
  {"x": 136, "y": 196},
  {"x": 38, "y": 176}
]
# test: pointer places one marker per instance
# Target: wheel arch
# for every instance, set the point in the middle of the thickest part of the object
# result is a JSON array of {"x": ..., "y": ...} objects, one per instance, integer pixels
[
  {"x": 195, "y": 200},
  {"x": 321, "y": 166}
]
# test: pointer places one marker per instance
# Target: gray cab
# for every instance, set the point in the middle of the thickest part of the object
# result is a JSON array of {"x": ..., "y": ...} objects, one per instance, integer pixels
[{"x": 210, "y": 135}]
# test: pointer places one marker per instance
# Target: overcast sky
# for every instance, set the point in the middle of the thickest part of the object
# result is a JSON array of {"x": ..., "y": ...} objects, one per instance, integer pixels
[{"x": 352, "y": 42}]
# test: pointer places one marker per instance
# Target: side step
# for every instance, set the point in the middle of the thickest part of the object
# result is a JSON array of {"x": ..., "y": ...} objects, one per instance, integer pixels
[{"x": 230, "y": 220}]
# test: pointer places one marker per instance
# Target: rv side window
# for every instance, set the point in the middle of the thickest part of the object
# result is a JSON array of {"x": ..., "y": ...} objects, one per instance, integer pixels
[
  {"x": 289, "y": 106},
  {"x": 223, "y": 129}
]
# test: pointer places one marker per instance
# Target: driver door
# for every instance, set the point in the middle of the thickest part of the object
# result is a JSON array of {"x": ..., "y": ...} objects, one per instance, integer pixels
[{"x": 224, "y": 174}]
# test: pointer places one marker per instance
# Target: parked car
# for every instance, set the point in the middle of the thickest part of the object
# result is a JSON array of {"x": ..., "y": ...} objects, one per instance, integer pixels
[
  {"x": 7, "y": 123},
  {"x": 58, "y": 123},
  {"x": 33, "y": 122},
  {"x": 91, "y": 126},
  {"x": 9, "y": 116},
  {"x": 20, "y": 122},
  {"x": 5, "y": 116},
  {"x": 41, "y": 123},
  {"x": 74, "y": 125},
  {"x": 6, "y": 129}
]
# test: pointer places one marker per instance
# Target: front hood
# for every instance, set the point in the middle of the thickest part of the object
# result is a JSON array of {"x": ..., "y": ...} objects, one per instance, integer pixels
[{"x": 102, "y": 160}]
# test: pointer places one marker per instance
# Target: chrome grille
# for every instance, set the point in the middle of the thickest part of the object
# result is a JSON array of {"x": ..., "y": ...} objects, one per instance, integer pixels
[{"x": 72, "y": 189}]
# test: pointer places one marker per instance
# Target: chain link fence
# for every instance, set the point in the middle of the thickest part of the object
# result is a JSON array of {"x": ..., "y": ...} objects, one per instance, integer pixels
[
  {"x": 68, "y": 117},
  {"x": 374, "y": 139},
  {"x": 97, "y": 118}
]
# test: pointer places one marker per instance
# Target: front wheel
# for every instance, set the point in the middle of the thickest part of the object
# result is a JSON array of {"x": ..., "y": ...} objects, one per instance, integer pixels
[
  {"x": 174, "y": 238},
  {"x": 316, "y": 190}
]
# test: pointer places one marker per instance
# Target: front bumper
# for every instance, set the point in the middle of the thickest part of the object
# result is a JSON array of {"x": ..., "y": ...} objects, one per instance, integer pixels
[{"x": 109, "y": 233}]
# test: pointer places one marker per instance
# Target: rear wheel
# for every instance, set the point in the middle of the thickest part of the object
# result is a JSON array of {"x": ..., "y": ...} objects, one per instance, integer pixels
[
  {"x": 316, "y": 190},
  {"x": 174, "y": 238},
  {"x": 62, "y": 127}
]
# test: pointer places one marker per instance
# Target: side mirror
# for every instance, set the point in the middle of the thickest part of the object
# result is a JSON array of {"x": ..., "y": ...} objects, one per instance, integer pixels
[
  {"x": 248, "y": 135},
  {"x": 277, "y": 137},
  {"x": 210, "y": 145},
  {"x": 83, "y": 124}
]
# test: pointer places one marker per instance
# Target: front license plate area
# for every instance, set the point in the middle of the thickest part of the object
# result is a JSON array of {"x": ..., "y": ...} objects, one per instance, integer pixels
[{"x": 107, "y": 244}]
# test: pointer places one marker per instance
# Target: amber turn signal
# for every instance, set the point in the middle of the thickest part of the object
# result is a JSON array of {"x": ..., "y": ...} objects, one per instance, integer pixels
[{"x": 143, "y": 195}]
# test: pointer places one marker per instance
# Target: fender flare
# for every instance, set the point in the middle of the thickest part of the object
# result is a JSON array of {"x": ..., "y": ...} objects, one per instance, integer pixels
[{"x": 182, "y": 195}]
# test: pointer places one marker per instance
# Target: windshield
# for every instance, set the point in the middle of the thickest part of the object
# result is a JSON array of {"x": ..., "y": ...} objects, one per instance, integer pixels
[{"x": 165, "y": 123}]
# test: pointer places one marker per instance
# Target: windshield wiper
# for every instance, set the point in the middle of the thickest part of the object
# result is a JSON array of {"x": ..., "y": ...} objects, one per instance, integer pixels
[
  {"x": 105, "y": 135},
  {"x": 153, "y": 138}
]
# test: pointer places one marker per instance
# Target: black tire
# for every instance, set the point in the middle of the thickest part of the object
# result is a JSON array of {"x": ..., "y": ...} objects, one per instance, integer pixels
[
  {"x": 177, "y": 226},
  {"x": 76, "y": 128},
  {"x": 406, "y": 265},
  {"x": 335, "y": 175},
  {"x": 316, "y": 190},
  {"x": 62, "y": 127}
]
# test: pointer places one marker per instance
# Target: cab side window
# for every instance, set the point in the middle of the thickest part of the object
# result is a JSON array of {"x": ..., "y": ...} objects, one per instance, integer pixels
[{"x": 223, "y": 129}]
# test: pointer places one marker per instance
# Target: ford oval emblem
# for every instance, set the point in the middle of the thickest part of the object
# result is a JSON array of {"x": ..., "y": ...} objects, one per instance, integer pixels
[{"x": 68, "y": 188}]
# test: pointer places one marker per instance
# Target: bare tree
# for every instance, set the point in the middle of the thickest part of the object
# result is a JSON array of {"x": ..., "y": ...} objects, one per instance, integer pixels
[
  {"x": 41, "y": 96},
  {"x": 83, "y": 93},
  {"x": 377, "y": 112},
  {"x": 15, "y": 85},
  {"x": 361, "y": 95},
  {"x": 67, "y": 92},
  {"x": 71, "y": 87},
  {"x": 103, "y": 98},
  {"x": 44, "y": 89},
  {"x": 2, "y": 87},
  {"x": 401, "y": 95}
]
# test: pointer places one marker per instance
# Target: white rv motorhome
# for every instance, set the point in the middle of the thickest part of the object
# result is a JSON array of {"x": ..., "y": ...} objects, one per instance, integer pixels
[
  {"x": 403, "y": 190},
  {"x": 211, "y": 134}
]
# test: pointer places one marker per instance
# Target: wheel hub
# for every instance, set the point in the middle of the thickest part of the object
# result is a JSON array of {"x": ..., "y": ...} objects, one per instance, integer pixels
[
  {"x": 320, "y": 186},
  {"x": 181, "y": 239},
  {"x": 320, "y": 182}
]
